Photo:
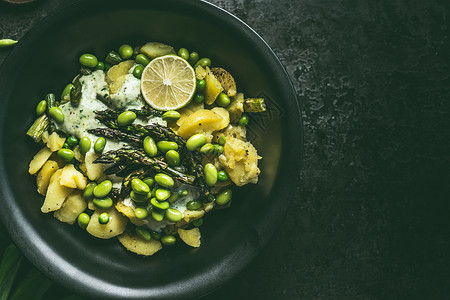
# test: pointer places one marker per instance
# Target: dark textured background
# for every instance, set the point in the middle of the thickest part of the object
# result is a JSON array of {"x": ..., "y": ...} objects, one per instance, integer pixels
[{"x": 372, "y": 216}]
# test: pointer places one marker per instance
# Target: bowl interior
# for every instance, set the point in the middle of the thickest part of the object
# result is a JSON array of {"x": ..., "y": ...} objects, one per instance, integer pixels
[{"x": 46, "y": 59}]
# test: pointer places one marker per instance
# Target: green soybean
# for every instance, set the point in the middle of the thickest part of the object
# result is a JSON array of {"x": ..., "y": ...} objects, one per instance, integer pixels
[
  {"x": 83, "y": 220},
  {"x": 141, "y": 213},
  {"x": 222, "y": 139},
  {"x": 199, "y": 98},
  {"x": 207, "y": 149},
  {"x": 142, "y": 59},
  {"x": 156, "y": 235},
  {"x": 198, "y": 222},
  {"x": 66, "y": 155},
  {"x": 223, "y": 100},
  {"x": 162, "y": 194},
  {"x": 222, "y": 176},
  {"x": 84, "y": 145},
  {"x": 125, "y": 51},
  {"x": 193, "y": 58},
  {"x": 157, "y": 215},
  {"x": 88, "y": 60},
  {"x": 102, "y": 189},
  {"x": 204, "y": 62},
  {"x": 224, "y": 197},
  {"x": 56, "y": 114},
  {"x": 65, "y": 95},
  {"x": 103, "y": 218},
  {"x": 103, "y": 203},
  {"x": 159, "y": 204},
  {"x": 149, "y": 181},
  {"x": 196, "y": 141},
  {"x": 201, "y": 84},
  {"x": 72, "y": 141},
  {"x": 210, "y": 174},
  {"x": 183, "y": 53},
  {"x": 173, "y": 198},
  {"x": 41, "y": 107},
  {"x": 66, "y": 146},
  {"x": 194, "y": 205},
  {"x": 243, "y": 121},
  {"x": 143, "y": 233},
  {"x": 168, "y": 240},
  {"x": 165, "y": 146},
  {"x": 173, "y": 215},
  {"x": 217, "y": 149},
  {"x": 100, "y": 66},
  {"x": 150, "y": 147},
  {"x": 184, "y": 193},
  {"x": 99, "y": 145},
  {"x": 137, "y": 71},
  {"x": 88, "y": 192},
  {"x": 173, "y": 158},
  {"x": 139, "y": 187},
  {"x": 164, "y": 180},
  {"x": 7, "y": 43},
  {"x": 140, "y": 198},
  {"x": 126, "y": 118},
  {"x": 171, "y": 116}
]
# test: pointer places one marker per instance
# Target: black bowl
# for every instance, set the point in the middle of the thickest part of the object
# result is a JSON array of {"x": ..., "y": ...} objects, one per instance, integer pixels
[{"x": 46, "y": 59}]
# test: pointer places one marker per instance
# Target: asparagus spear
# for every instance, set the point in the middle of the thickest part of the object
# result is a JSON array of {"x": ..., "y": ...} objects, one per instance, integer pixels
[
  {"x": 75, "y": 93},
  {"x": 38, "y": 128},
  {"x": 116, "y": 135},
  {"x": 254, "y": 105}
]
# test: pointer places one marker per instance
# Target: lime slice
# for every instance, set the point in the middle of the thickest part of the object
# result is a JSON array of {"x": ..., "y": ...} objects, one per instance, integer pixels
[{"x": 168, "y": 82}]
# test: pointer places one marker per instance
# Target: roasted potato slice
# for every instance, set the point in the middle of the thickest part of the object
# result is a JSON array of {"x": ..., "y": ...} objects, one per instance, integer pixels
[
  {"x": 129, "y": 213},
  {"x": 55, "y": 142},
  {"x": 39, "y": 160},
  {"x": 191, "y": 237},
  {"x": 71, "y": 208},
  {"x": 93, "y": 171},
  {"x": 226, "y": 81},
  {"x": 154, "y": 49},
  {"x": 56, "y": 193},
  {"x": 203, "y": 121},
  {"x": 71, "y": 177},
  {"x": 139, "y": 246},
  {"x": 236, "y": 107},
  {"x": 43, "y": 178},
  {"x": 115, "y": 226},
  {"x": 213, "y": 87}
]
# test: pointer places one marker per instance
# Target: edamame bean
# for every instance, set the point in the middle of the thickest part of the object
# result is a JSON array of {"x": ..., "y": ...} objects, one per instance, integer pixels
[
  {"x": 210, "y": 174},
  {"x": 56, "y": 114},
  {"x": 143, "y": 233},
  {"x": 126, "y": 118},
  {"x": 183, "y": 53},
  {"x": 224, "y": 197},
  {"x": 156, "y": 235},
  {"x": 103, "y": 218},
  {"x": 125, "y": 51},
  {"x": 194, "y": 205},
  {"x": 173, "y": 215},
  {"x": 196, "y": 141},
  {"x": 65, "y": 95},
  {"x": 83, "y": 220},
  {"x": 66, "y": 155},
  {"x": 171, "y": 116},
  {"x": 199, "y": 98},
  {"x": 41, "y": 107},
  {"x": 99, "y": 145},
  {"x": 103, "y": 203},
  {"x": 217, "y": 149},
  {"x": 72, "y": 141},
  {"x": 184, "y": 193},
  {"x": 193, "y": 58},
  {"x": 204, "y": 62},
  {"x": 173, "y": 198},
  {"x": 157, "y": 215},
  {"x": 222, "y": 140},
  {"x": 149, "y": 181},
  {"x": 85, "y": 145},
  {"x": 243, "y": 121},
  {"x": 207, "y": 148},
  {"x": 139, "y": 187},
  {"x": 140, "y": 198},
  {"x": 142, "y": 59},
  {"x": 163, "y": 205},
  {"x": 173, "y": 158},
  {"x": 162, "y": 194},
  {"x": 102, "y": 189},
  {"x": 66, "y": 146},
  {"x": 198, "y": 222},
  {"x": 222, "y": 176},
  {"x": 223, "y": 100},
  {"x": 168, "y": 240},
  {"x": 141, "y": 213},
  {"x": 201, "y": 84},
  {"x": 88, "y": 192},
  {"x": 7, "y": 43},
  {"x": 137, "y": 71},
  {"x": 88, "y": 60},
  {"x": 165, "y": 146},
  {"x": 100, "y": 66},
  {"x": 164, "y": 180},
  {"x": 150, "y": 147}
]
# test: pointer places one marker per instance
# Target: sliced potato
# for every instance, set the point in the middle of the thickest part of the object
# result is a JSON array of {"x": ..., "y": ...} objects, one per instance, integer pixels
[
  {"x": 45, "y": 137},
  {"x": 191, "y": 215},
  {"x": 115, "y": 226},
  {"x": 43, "y": 178},
  {"x": 39, "y": 160},
  {"x": 71, "y": 208},
  {"x": 129, "y": 213},
  {"x": 224, "y": 114},
  {"x": 235, "y": 131},
  {"x": 202, "y": 121},
  {"x": 212, "y": 88},
  {"x": 56, "y": 194},
  {"x": 236, "y": 107},
  {"x": 71, "y": 177},
  {"x": 208, "y": 206},
  {"x": 93, "y": 171},
  {"x": 55, "y": 142},
  {"x": 117, "y": 71},
  {"x": 77, "y": 154},
  {"x": 191, "y": 237},
  {"x": 200, "y": 72},
  {"x": 139, "y": 246},
  {"x": 226, "y": 81},
  {"x": 154, "y": 49}
]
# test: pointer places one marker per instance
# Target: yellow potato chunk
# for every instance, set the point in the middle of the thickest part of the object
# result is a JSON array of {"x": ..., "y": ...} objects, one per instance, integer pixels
[
  {"x": 235, "y": 131},
  {"x": 236, "y": 107},
  {"x": 77, "y": 154},
  {"x": 71, "y": 177},
  {"x": 129, "y": 213},
  {"x": 226, "y": 81},
  {"x": 200, "y": 72},
  {"x": 56, "y": 193},
  {"x": 115, "y": 226},
  {"x": 43, "y": 178},
  {"x": 71, "y": 208},
  {"x": 93, "y": 171},
  {"x": 190, "y": 237},
  {"x": 139, "y": 246},
  {"x": 212, "y": 88},
  {"x": 224, "y": 114},
  {"x": 55, "y": 142},
  {"x": 117, "y": 71},
  {"x": 191, "y": 215},
  {"x": 202, "y": 121},
  {"x": 39, "y": 160}
]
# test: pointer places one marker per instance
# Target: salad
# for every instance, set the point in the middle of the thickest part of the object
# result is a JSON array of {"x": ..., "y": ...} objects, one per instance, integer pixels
[{"x": 142, "y": 145}]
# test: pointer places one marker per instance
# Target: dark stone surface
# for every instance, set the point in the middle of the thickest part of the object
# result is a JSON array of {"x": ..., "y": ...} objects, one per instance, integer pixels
[{"x": 372, "y": 216}]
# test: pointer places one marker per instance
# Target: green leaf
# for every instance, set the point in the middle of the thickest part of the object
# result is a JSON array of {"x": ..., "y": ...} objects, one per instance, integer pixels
[
  {"x": 33, "y": 286},
  {"x": 8, "y": 270}
]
